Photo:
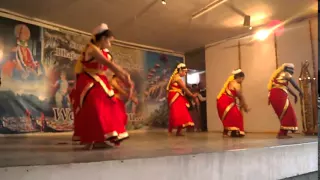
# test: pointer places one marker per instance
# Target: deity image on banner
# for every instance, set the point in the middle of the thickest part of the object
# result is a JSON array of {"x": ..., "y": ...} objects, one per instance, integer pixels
[
  {"x": 20, "y": 62},
  {"x": 159, "y": 68},
  {"x": 23, "y": 78}
]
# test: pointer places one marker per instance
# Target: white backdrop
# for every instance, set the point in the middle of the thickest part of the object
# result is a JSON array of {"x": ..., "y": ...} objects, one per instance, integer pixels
[{"x": 258, "y": 61}]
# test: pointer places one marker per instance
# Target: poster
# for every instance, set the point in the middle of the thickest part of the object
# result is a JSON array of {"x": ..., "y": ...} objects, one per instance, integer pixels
[
  {"x": 37, "y": 65},
  {"x": 22, "y": 93},
  {"x": 60, "y": 52}
]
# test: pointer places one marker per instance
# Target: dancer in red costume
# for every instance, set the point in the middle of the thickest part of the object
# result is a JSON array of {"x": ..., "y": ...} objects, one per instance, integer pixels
[
  {"x": 97, "y": 113},
  {"x": 179, "y": 116},
  {"x": 228, "y": 110},
  {"x": 279, "y": 99},
  {"x": 119, "y": 91}
]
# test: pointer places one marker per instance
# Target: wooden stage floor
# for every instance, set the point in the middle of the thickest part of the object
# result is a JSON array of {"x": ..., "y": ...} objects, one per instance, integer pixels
[{"x": 54, "y": 149}]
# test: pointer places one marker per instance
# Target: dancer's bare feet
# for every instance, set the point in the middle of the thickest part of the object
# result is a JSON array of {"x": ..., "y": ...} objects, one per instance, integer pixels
[{"x": 88, "y": 147}]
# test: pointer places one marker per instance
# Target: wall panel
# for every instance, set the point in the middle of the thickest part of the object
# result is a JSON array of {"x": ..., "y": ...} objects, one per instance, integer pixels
[{"x": 258, "y": 62}]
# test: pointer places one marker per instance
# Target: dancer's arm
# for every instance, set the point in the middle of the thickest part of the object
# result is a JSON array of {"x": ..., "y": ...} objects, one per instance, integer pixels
[
  {"x": 116, "y": 86},
  {"x": 178, "y": 79},
  {"x": 293, "y": 94},
  {"x": 243, "y": 103},
  {"x": 98, "y": 55},
  {"x": 293, "y": 83}
]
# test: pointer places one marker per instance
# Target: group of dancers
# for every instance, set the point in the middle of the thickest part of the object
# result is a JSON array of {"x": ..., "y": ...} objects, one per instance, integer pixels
[
  {"x": 99, "y": 112},
  {"x": 231, "y": 102},
  {"x": 230, "y": 112}
]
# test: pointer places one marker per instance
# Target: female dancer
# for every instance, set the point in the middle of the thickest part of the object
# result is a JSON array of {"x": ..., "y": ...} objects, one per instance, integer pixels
[
  {"x": 119, "y": 91},
  {"x": 278, "y": 98},
  {"x": 98, "y": 112},
  {"x": 179, "y": 116},
  {"x": 228, "y": 110}
]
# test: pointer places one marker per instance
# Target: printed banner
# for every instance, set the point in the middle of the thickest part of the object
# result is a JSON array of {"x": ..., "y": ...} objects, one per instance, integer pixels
[
  {"x": 37, "y": 71},
  {"x": 60, "y": 52}
]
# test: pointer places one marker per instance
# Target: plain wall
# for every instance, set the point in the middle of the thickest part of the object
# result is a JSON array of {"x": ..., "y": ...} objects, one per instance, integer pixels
[
  {"x": 195, "y": 59},
  {"x": 258, "y": 60}
]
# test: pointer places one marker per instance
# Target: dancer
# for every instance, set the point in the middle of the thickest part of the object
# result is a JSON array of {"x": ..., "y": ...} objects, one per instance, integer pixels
[
  {"x": 228, "y": 110},
  {"x": 179, "y": 116},
  {"x": 98, "y": 112},
  {"x": 119, "y": 91},
  {"x": 279, "y": 100}
]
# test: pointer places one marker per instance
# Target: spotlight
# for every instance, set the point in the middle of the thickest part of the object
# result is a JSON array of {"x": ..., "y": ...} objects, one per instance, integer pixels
[
  {"x": 262, "y": 34},
  {"x": 250, "y": 28},
  {"x": 163, "y": 2}
]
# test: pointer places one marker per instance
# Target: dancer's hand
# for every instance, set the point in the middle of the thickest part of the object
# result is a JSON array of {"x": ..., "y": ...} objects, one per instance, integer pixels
[
  {"x": 194, "y": 95},
  {"x": 301, "y": 95},
  {"x": 246, "y": 109},
  {"x": 196, "y": 100},
  {"x": 131, "y": 86},
  {"x": 295, "y": 99},
  {"x": 134, "y": 100}
]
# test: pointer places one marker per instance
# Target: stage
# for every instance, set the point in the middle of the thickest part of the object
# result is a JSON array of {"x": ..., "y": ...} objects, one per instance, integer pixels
[{"x": 159, "y": 156}]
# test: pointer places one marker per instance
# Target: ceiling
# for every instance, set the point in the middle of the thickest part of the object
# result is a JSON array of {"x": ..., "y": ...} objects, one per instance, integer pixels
[{"x": 168, "y": 26}]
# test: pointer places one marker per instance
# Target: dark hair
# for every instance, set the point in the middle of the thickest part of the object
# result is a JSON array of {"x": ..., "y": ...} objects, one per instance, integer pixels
[
  {"x": 99, "y": 36},
  {"x": 182, "y": 68},
  {"x": 289, "y": 69},
  {"x": 239, "y": 75}
]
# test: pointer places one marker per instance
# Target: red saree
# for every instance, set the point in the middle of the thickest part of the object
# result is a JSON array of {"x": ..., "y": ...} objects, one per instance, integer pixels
[
  {"x": 229, "y": 113},
  {"x": 179, "y": 116},
  {"x": 121, "y": 125},
  {"x": 98, "y": 113},
  {"x": 281, "y": 104}
]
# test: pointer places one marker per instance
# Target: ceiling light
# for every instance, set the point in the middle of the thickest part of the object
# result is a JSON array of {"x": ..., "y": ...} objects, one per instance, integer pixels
[
  {"x": 163, "y": 2},
  {"x": 262, "y": 34}
]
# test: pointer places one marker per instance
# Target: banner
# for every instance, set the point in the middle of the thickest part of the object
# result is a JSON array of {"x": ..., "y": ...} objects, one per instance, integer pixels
[
  {"x": 158, "y": 70},
  {"x": 60, "y": 52},
  {"x": 37, "y": 71}
]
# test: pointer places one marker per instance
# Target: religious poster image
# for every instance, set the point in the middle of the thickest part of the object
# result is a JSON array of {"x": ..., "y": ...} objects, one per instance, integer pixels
[{"x": 23, "y": 102}]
